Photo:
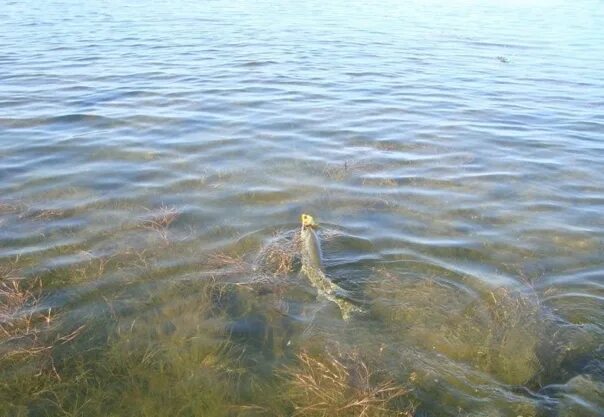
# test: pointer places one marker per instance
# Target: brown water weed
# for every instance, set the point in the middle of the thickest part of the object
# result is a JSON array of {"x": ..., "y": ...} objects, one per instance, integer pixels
[
  {"x": 343, "y": 385},
  {"x": 160, "y": 220}
]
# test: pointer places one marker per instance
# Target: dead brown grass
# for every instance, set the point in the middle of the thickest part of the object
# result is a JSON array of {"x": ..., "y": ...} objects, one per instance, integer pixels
[
  {"x": 42, "y": 214},
  {"x": 13, "y": 299},
  {"x": 47, "y": 214},
  {"x": 278, "y": 257},
  {"x": 19, "y": 321},
  {"x": 279, "y": 260},
  {"x": 159, "y": 220},
  {"x": 343, "y": 385},
  {"x": 7, "y": 207},
  {"x": 234, "y": 263},
  {"x": 275, "y": 259},
  {"x": 24, "y": 325}
]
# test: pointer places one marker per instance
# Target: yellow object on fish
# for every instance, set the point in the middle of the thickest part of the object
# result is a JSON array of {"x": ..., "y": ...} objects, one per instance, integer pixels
[{"x": 308, "y": 221}]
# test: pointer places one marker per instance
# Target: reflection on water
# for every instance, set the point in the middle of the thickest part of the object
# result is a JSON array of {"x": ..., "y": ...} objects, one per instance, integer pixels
[{"x": 154, "y": 161}]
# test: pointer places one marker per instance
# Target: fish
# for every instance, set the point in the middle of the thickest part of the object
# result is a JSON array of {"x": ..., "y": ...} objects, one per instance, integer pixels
[{"x": 312, "y": 261}]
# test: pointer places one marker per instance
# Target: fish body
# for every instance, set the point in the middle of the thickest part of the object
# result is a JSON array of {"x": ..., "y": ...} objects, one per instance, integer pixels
[{"x": 312, "y": 268}]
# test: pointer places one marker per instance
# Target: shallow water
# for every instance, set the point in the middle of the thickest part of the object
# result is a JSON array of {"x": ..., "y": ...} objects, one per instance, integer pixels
[{"x": 451, "y": 151}]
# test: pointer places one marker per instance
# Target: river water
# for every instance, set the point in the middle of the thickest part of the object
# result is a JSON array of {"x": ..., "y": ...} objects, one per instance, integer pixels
[{"x": 155, "y": 158}]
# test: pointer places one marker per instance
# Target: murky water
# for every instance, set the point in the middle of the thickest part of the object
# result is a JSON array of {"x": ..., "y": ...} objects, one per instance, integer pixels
[{"x": 155, "y": 158}]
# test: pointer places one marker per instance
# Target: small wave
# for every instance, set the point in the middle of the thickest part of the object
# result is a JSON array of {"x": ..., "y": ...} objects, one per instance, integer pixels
[{"x": 77, "y": 119}]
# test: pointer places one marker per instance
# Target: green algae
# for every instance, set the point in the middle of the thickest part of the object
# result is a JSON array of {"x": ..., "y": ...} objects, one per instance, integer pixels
[
  {"x": 497, "y": 332},
  {"x": 164, "y": 327},
  {"x": 140, "y": 356}
]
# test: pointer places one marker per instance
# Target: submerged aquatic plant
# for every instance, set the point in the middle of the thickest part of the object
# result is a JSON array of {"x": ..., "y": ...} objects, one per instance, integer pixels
[
  {"x": 19, "y": 317},
  {"x": 496, "y": 330},
  {"x": 27, "y": 330},
  {"x": 280, "y": 254},
  {"x": 273, "y": 263},
  {"x": 178, "y": 358},
  {"x": 343, "y": 385},
  {"x": 234, "y": 263},
  {"x": 160, "y": 220},
  {"x": 45, "y": 213},
  {"x": 9, "y": 207}
]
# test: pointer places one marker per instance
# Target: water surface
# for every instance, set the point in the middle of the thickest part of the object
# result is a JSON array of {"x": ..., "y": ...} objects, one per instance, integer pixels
[{"x": 452, "y": 152}]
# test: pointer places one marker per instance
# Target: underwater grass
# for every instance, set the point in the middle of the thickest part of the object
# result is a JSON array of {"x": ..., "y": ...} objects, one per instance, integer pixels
[
  {"x": 180, "y": 358},
  {"x": 279, "y": 255},
  {"x": 342, "y": 385},
  {"x": 157, "y": 346},
  {"x": 11, "y": 207},
  {"x": 159, "y": 220},
  {"x": 31, "y": 339},
  {"x": 27, "y": 329},
  {"x": 274, "y": 262},
  {"x": 153, "y": 353},
  {"x": 497, "y": 331},
  {"x": 160, "y": 337}
]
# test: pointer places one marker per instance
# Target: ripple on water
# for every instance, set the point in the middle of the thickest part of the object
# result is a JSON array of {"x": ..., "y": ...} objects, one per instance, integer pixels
[{"x": 149, "y": 165}]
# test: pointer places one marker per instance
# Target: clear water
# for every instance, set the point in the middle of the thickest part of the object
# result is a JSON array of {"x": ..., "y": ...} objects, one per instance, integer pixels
[{"x": 452, "y": 152}]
